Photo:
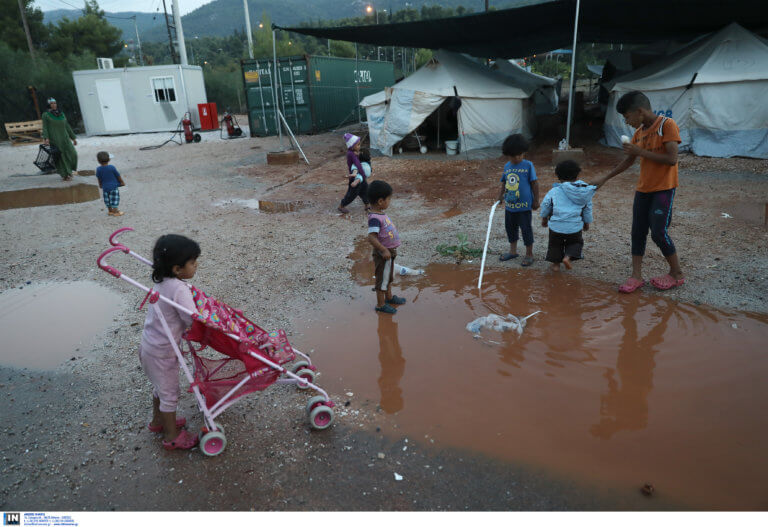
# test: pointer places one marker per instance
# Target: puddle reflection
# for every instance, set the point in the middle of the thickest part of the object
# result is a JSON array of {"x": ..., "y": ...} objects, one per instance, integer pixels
[
  {"x": 392, "y": 366},
  {"x": 615, "y": 389}
]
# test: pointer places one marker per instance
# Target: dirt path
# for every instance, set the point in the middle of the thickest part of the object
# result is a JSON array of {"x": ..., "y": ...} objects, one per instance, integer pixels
[{"x": 75, "y": 437}]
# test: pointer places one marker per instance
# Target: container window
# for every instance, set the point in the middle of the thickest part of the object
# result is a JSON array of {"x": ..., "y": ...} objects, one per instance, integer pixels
[{"x": 164, "y": 89}]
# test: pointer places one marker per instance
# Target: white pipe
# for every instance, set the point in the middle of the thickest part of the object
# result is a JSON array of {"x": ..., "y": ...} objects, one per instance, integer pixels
[
  {"x": 573, "y": 77},
  {"x": 248, "y": 28},
  {"x": 179, "y": 33},
  {"x": 485, "y": 248},
  {"x": 275, "y": 94}
]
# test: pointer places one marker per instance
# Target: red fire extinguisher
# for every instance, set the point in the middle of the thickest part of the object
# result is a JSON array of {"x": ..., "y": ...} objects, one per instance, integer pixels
[
  {"x": 233, "y": 128},
  {"x": 189, "y": 137}
]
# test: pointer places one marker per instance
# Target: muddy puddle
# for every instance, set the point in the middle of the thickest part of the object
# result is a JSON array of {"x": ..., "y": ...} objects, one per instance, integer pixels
[
  {"x": 44, "y": 325},
  {"x": 615, "y": 391},
  {"x": 39, "y": 197}
]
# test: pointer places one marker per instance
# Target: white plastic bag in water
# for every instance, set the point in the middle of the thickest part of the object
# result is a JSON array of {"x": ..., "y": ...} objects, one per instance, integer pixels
[
  {"x": 499, "y": 323},
  {"x": 403, "y": 270}
]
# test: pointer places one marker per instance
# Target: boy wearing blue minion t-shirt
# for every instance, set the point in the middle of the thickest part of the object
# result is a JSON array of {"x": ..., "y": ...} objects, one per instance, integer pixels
[{"x": 520, "y": 194}]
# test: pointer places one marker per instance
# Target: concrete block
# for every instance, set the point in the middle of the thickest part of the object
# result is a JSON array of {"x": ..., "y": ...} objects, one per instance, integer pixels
[
  {"x": 291, "y": 157},
  {"x": 574, "y": 154}
]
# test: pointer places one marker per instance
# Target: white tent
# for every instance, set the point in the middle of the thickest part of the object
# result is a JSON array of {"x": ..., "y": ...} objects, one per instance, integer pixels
[
  {"x": 492, "y": 106},
  {"x": 545, "y": 90},
  {"x": 715, "y": 89}
]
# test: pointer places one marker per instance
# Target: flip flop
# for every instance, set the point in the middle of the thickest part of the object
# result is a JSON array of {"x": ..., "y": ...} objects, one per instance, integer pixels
[
  {"x": 180, "y": 421},
  {"x": 528, "y": 260},
  {"x": 396, "y": 300},
  {"x": 631, "y": 285},
  {"x": 507, "y": 256},
  {"x": 666, "y": 282}
]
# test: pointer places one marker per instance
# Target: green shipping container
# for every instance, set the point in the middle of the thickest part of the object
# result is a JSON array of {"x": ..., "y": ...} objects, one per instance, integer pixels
[{"x": 315, "y": 93}]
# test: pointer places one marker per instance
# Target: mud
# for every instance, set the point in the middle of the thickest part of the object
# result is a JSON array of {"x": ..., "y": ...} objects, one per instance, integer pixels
[
  {"x": 46, "y": 324},
  {"x": 612, "y": 392},
  {"x": 39, "y": 197},
  {"x": 75, "y": 437}
]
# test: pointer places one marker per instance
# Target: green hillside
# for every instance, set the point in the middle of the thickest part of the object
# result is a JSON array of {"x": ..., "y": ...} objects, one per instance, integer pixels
[{"x": 223, "y": 17}]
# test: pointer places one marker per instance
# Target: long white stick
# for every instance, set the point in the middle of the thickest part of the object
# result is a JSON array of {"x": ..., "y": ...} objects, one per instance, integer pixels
[{"x": 485, "y": 249}]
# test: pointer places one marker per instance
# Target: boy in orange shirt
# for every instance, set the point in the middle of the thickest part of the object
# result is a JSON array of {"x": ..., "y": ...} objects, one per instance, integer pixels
[{"x": 655, "y": 140}]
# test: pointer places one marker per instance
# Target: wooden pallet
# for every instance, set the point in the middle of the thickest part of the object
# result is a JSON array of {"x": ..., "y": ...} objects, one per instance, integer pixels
[{"x": 25, "y": 132}]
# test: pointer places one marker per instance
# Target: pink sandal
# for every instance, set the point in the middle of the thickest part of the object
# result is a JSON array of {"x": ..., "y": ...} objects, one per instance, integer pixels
[
  {"x": 666, "y": 282},
  {"x": 180, "y": 421},
  {"x": 184, "y": 441},
  {"x": 631, "y": 285}
]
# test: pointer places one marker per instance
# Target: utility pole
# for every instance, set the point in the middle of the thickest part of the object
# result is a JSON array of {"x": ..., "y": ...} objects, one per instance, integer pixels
[
  {"x": 138, "y": 40},
  {"x": 26, "y": 30},
  {"x": 179, "y": 33},
  {"x": 248, "y": 28},
  {"x": 170, "y": 38}
]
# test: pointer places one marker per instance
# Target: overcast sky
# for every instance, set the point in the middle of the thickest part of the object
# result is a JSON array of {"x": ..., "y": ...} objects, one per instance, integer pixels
[{"x": 117, "y": 6}]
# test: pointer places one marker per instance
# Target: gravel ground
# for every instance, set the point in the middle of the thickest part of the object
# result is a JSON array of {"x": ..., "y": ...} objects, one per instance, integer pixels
[{"x": 75, "y": 437}]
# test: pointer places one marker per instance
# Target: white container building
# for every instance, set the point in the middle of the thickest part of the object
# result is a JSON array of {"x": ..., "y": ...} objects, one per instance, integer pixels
[{"x": 140, "y": 99}]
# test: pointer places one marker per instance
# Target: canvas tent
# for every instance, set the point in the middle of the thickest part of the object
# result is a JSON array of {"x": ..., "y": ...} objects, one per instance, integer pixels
[
  {"x": 714, "y": 89},
  {"x": 546, "y": 91},
  {"x": 492, "y": 106}
]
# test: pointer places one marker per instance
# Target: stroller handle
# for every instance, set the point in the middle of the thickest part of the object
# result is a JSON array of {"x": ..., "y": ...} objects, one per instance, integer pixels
[
  {"x": 108, "y": 268},
  {"x": 116, "y": 234}
]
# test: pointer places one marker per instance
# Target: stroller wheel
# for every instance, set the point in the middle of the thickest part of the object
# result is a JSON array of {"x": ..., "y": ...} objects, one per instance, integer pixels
[
  {"x": 299, "y": 365},
  {"x": 306, "y": 374},
  {"x": 321, "y": 417},
  {"x": 314, "y": 402},
  {"x": 213, "y": 443}
]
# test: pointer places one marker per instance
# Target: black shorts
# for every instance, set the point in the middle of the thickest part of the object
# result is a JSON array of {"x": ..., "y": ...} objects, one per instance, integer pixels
[{"x": 562, "y": 245}]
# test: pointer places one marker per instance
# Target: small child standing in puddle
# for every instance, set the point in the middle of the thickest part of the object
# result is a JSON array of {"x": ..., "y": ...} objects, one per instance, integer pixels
[
  {"x": 385, "y": 240},
  {"x": 520, "y": 194},
  {"x": 174, "y": 260},
  {"x": 567, "y": 210}
]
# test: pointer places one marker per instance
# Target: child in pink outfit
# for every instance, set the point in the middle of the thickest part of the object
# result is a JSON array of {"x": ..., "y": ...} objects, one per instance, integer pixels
[{"x": 174, "y": 260}]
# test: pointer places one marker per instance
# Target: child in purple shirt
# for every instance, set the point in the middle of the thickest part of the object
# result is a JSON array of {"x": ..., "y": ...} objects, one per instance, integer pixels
[
  {"x": 385, "y": 240},
  {"x": 355, "y": 187}
]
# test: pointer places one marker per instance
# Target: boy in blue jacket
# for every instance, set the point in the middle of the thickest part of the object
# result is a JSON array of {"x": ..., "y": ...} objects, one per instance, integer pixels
[{"x": 567, "y": 210}]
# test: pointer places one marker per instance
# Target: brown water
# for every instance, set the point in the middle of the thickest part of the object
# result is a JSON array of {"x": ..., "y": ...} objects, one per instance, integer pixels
[
  {"x": 38, "y": 197},
  {"x": 604, "y": 388},
  {"x": 43, "y": 325}
]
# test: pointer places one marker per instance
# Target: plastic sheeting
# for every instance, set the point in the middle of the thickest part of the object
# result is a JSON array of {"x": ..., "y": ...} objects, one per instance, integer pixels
[{"x": 499, "y": 323}]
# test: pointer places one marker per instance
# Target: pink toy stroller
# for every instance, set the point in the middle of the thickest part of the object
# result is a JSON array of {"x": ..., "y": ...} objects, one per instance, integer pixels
[{"x": 252, "y": 359}]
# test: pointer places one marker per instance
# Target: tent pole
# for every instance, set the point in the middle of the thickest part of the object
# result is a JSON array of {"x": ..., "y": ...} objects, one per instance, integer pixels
[
  {"x": 573, "y": 77},
  {"x": 357, "y": 86}
]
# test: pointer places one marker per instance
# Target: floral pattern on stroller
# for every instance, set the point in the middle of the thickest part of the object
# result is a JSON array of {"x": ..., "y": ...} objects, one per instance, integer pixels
[{"x": 252, "y": 358}]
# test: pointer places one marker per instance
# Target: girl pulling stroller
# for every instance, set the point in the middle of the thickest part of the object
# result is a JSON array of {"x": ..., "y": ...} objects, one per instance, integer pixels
[{"x": 253, "y": 359}]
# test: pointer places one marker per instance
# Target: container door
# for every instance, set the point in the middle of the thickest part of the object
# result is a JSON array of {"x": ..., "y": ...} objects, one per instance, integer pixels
[
  {"x": 112, "y": 104},
  {"x": 295, "y": 95},
  {"x": 257, "y": 77},
  {"x": 339, "y": 84}
]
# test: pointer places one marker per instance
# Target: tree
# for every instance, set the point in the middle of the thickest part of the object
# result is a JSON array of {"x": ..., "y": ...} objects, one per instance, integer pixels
[
  {"x": 89, "y": 33},
  {"x": 12, "y": 30}
]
